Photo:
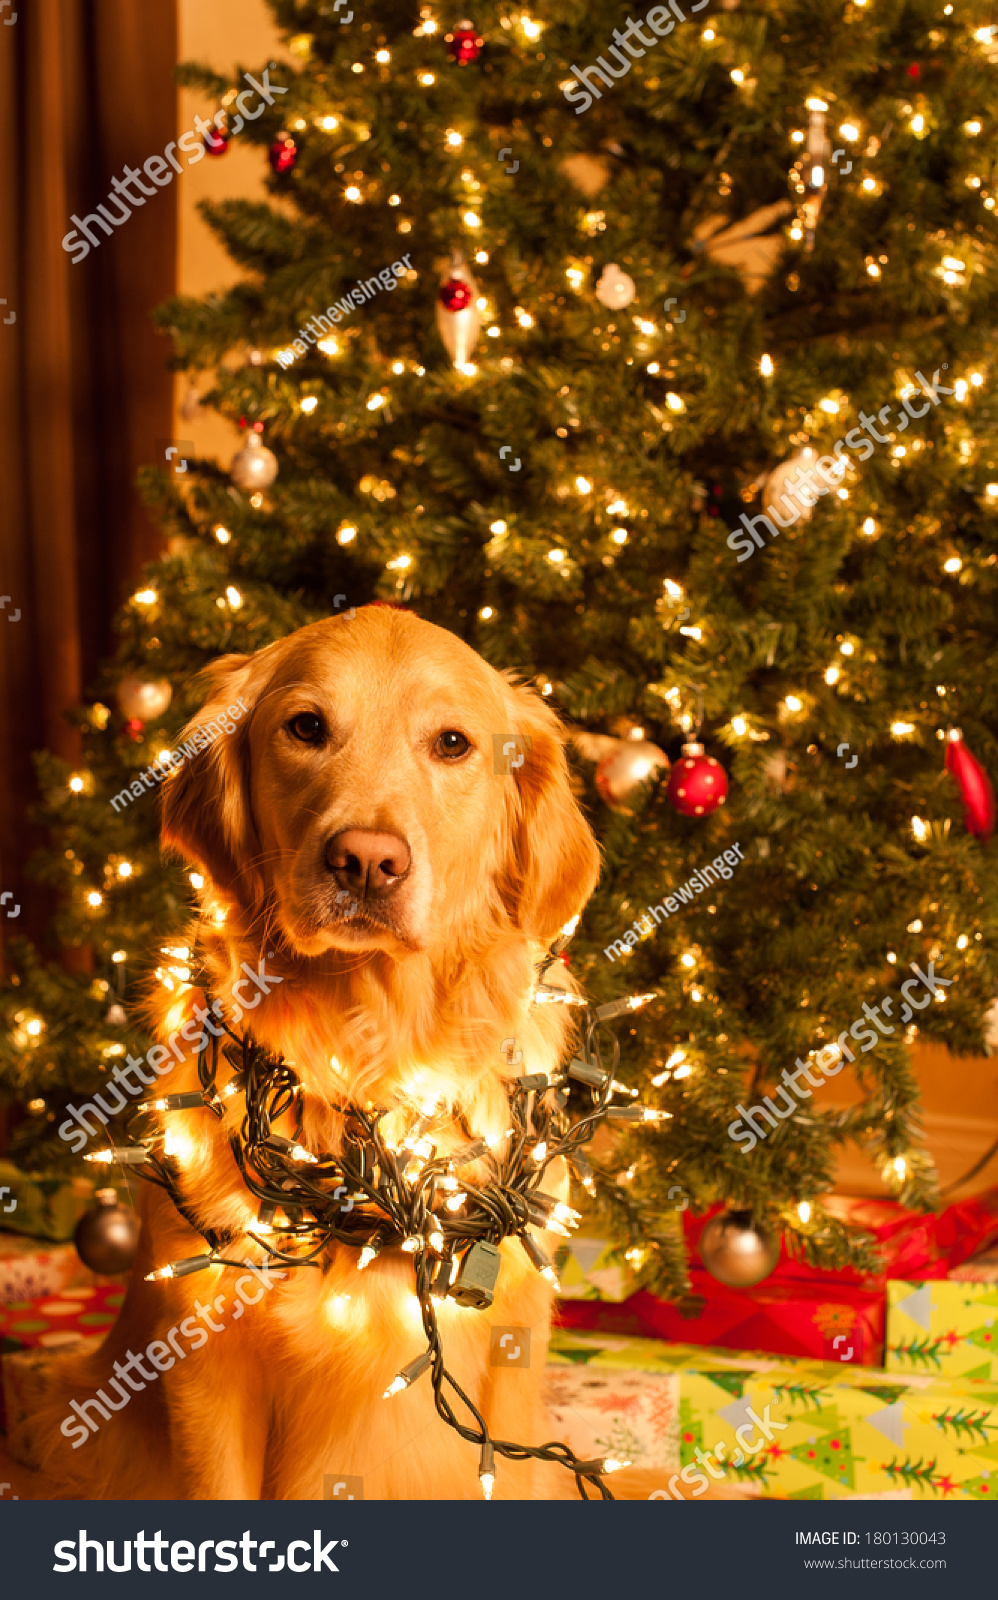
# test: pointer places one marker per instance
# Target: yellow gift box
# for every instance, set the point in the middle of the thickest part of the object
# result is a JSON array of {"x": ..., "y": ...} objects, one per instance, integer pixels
[
  {"x": 945, "y": 1328},
  {"x": 797, "y": 1430}
]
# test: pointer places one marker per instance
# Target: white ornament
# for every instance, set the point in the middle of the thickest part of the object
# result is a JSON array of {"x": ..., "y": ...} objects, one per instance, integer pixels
[
  {"x": 793, "y": 487},
  {"x": 254, "y": 466},
  {"x": 615, "y": 289},
  {"x": 144, "y": 698},
  {"x": 991, "y": 1029}
]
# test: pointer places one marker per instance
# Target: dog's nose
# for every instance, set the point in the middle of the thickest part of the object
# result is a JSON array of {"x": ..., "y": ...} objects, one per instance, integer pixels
[{"x": 370, "y": 865}]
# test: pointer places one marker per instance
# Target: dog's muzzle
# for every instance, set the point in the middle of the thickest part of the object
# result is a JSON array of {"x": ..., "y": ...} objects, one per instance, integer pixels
[{"x": 368, "y": 866}]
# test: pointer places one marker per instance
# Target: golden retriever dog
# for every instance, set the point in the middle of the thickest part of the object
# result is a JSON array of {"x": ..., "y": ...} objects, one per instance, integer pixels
[{"x": 354, "y": 834}]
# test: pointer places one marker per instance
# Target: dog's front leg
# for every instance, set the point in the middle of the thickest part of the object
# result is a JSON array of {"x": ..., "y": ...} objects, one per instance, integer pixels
[{"x": 219, "y": 1418}]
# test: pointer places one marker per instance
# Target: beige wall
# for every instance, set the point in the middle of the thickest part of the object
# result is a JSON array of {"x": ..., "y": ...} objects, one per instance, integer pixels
[{"x": 220, "y": 33}]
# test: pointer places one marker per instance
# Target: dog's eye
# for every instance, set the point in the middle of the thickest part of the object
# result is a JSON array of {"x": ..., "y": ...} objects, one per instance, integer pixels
[
  {"x": 452, "y": 745},
  {"x": 306, "y": 727}
]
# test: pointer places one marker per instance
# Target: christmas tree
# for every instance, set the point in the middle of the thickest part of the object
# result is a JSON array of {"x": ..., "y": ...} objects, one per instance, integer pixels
[{"x": 545, "y": 348}]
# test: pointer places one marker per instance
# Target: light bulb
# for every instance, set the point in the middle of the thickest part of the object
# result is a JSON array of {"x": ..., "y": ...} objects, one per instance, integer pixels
[
  {"x": 804, "y": 1211},
  {"x": 76, "y": 783},
  {"x": 352, "y": 193},
  {"x": 831, "y": 675},
  {"x": 557, "y": 556},
  {"x": 674, "y": 402},
  {"x": 847, "y": 648},
  {"x": 309, "y": 404},
  {"x": 539, "y": 1151},
  {"x": 233, "y": 596},
  {"x": 346, "y": 534},
  {"x": 792, "y": 703},
  {"x": 766, "y": 366},
  {"x": 869, "y": 526}
]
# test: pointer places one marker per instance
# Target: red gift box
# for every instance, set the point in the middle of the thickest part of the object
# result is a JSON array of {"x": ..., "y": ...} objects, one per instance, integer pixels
[
  {"x": 830, "y": 1321},
  {"x": 56, "y": 1320},
  {"x": 799, "y": 1310}
]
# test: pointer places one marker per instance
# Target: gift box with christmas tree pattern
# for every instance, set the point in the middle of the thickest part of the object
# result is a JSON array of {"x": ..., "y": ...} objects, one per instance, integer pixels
[
  {"x": 945, "y": 1327},
  {"x": 791, "y": 1429}
]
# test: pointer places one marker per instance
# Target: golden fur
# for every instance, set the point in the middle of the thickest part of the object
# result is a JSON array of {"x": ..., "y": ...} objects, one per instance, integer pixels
[{"x": 412, "y": 1001}]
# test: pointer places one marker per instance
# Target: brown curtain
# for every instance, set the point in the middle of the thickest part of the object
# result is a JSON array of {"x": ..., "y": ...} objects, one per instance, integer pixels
[{"x": 86, "y": 87}]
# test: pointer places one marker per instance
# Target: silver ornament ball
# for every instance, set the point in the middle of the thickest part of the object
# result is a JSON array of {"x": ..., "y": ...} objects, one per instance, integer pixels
[
  {"x": 254, "y": 466},
  {"x": 736, "y": 1251},
  {"x": 107, "y": 1236}
]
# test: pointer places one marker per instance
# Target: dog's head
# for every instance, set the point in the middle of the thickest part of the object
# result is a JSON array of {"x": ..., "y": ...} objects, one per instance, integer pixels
[{"x": 364, "y": 801}]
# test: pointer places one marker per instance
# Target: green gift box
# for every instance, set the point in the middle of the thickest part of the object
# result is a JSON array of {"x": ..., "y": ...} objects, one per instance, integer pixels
[{"x": 943, "y": 1327}]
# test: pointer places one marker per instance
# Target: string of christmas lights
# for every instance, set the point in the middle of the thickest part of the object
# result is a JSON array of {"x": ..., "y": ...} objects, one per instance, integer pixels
[{"x": 406, "y": 1197}]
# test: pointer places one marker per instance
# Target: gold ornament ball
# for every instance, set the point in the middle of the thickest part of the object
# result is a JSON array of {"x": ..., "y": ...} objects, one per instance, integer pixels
[
  {"x": 144, "y": 698},
  {"x": 736, "y": 1251}
]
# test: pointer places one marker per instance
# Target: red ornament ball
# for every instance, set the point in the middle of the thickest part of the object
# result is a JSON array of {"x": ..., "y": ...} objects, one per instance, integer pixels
[
  {"x": 914, "y": 71},
  {"x": 283, "y": 154},
  {"x": 217, "y": 140},
  {"x": 134, "y": 727},
  {"x": 455, "y": 294},
  {"x": 697, "y": 784},
  {"x": 464, "y": 43}
]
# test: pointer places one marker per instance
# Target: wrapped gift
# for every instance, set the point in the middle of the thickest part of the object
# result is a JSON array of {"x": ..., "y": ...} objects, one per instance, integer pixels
[
  {"x": 55, "y": 1322},
  {"x": 791, "y": 1429},
  {"x": 47, "y": 1207},
  {"x": 29, "y": 1269},
  {"x": 632, "y": 1415},
  {"x": 943, "y": 1327},
  {"x": 979, "y": 1269},
  {"x": 27, "y": 1381},
  {"x": 592, "y": 1269},
  {"x": 911, "y": 1244},
  {"x": 826, "y": 1320}
]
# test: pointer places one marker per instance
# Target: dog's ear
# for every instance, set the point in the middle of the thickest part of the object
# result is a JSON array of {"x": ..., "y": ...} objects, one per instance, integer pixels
[
  {"x": 554, "y": 858},
  {"x": 206, "y": 813}
]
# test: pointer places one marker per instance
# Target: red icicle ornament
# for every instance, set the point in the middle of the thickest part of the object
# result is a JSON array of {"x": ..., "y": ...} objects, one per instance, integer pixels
[
  {"x": 975, "y": 787},
  {"x": 457, "y": 314}
]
